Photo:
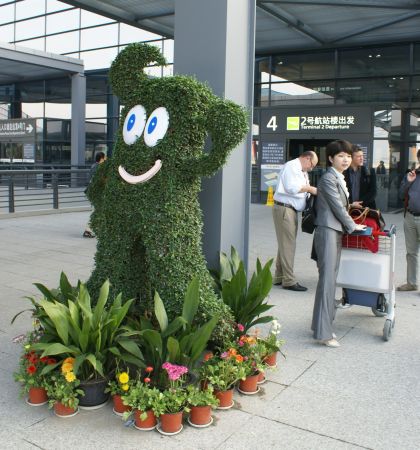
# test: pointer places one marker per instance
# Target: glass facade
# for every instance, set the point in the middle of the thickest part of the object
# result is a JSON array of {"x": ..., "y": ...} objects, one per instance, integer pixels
[
  {"x": 59, "y": 28},
  {"x": 383, "y": 79}
]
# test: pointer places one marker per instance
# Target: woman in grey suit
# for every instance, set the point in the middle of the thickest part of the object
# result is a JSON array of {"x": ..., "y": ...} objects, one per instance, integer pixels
[{"x": 332, "y": 220}]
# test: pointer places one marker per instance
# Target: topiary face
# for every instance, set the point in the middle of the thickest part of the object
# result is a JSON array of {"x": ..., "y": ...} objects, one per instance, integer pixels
[{"x": 147, "y": 217}]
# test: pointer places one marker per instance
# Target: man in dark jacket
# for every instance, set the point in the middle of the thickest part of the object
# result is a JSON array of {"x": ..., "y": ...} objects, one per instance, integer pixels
[{"x": 361, "y": 182}]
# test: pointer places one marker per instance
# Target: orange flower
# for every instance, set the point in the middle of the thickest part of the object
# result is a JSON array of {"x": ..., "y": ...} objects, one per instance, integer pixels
[
  {"x": 239, "y": 358},
  {"x": 66, "y": 368},
  {"x": 232, "y": 352},
  {"x": 208, "y": 356},
  {"x": 69, "y": 360}
]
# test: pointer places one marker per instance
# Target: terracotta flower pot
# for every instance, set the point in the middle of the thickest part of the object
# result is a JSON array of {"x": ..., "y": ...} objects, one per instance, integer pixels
[
  {"x": 148, "y": 423},
  {"x": 62, "y": 410},
  {"x": 249, "y": 385},
  {"x": 37, "y": 396},
  {"x": 225, "y": 398},
  {"x": 261, "y": 377},
  {"x": 271, "y": 360},
  {"x": 200, "y": 415},
  {"x": 119, "y": 406},
  {"x": 171, "y": 423}
]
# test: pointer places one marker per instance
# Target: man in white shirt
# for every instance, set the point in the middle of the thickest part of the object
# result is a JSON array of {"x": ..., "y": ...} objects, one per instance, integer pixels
[{"x": 292, "y": 190}]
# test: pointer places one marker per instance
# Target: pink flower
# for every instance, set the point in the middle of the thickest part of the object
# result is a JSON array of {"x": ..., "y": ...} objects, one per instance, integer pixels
[
  {"x": 241, "y": 344},
  {"x": 224, "y": 355},
  {"x": 241, "y": 328}
]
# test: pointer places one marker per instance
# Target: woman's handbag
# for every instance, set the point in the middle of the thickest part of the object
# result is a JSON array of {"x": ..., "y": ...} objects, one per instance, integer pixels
[{"x": 309, "y": 215}]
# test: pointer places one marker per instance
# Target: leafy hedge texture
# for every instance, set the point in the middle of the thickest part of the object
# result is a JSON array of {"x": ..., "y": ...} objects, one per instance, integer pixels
[{"x": 149, "y": 234}]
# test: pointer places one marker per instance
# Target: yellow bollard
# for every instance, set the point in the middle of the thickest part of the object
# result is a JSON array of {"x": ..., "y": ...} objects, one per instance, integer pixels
[{"x": 270, "y": 196}]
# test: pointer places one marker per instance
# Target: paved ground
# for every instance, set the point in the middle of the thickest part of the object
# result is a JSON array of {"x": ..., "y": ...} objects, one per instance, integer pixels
[{"x": 365, "y": 394}]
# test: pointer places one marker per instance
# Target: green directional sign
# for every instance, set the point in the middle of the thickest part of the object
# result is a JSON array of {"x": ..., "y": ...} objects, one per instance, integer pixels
[{"x": 292, "y": 123}]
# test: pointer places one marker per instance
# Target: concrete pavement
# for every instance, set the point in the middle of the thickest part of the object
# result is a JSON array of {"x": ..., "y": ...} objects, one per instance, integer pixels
[{"x": 365, "y": 394}]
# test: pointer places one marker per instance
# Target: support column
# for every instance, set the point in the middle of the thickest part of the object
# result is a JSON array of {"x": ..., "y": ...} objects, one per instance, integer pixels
[
  {"x": 78, "y": 128},
  {"x": 215, "y": 41}
]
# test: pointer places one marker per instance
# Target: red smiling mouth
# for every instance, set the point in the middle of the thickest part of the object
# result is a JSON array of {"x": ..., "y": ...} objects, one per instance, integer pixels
[{"x": 136, "y": 179}]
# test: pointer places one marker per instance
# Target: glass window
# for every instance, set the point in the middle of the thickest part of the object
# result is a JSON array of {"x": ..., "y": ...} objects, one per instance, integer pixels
[
  {"x": 415, "y": 125},
  {"x": 66, "y": 20},
  {"x": 58, "y": 110},
  {"x": 95, "y": 110},
  {"x": 154, "y": 71},
  {"x": 132, "y": 34},
  {"x": 306, "y": 92},
  {"x": 382, "y": 124},
  {"x": 168, "y": 50},
  {"x": 99, "y": 37},
  {"x": 30, "y": 28},
  {"x": 7, "y": 13},
  {"x": 316, "y": 65},
  {"x": 33, "y": 109},
  {"x": 168, "y": 71},
  {"x": 29, "y": 8},
  {"x": 380, "y": 90},
  {"x": 263, "y": 94},
  {"x": 31, "y": 91},
  {"x": 374, "y": 61},
  {"x": 58, "y": 89},
  {"x": 63, "y": 43},
  {"x": 98, "y": 59},
  {"x": 262, "y": 66},
  {"x": 7, "y": 33},
  {"x": 417, "y": 57},
  {"x": 88, "y": 19},
  {"x": 415, "y": 93},
  {"x": 53, "y": 5},
  {"x": 35, "y": 44}
]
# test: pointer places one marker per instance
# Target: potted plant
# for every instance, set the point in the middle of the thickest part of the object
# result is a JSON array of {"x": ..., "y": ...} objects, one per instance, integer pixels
[
  {"x": 119, "y": 387},
  {"x": 171, "y": 403},
  {"x": 222, "y": 372},
  {"x": 273, "y": 344},
  {"x": 200, "y": 402},
  {"x": 142, "y": 399},
  {"x": 92, "y": 336},
  {"x": 63, "y": 390},
  {"x": 30, "y": 373},
  {"x": 253, "y": 351}
]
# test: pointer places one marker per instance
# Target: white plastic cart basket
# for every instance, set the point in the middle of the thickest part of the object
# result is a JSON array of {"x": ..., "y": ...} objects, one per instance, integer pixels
[{"x": 367, "y": 278}]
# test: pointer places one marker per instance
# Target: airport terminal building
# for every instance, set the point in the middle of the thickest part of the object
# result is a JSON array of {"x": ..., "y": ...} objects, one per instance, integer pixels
[{"x": 323, "y": 70}]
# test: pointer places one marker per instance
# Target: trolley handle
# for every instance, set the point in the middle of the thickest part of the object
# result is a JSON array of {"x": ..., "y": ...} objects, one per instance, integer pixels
[{"x": 392, "y": 230}]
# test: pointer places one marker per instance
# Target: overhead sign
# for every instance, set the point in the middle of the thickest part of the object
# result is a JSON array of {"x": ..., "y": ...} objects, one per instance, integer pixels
[
  {"x": 316, "y": 120},
  {"x": 17, "y": 129}
]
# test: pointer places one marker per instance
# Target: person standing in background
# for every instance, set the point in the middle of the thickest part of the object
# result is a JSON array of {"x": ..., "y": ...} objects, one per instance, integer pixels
[
  {"x": 380, "y": 170},
  {"x": 292, "y": 190},
  {"x": 99, "y": 159},
  {"x": 360, "y": 181}
]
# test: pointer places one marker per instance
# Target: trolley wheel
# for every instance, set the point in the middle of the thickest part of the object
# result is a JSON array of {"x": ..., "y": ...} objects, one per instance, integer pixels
[
  {"x": 387, "y": 329},
  {"x": 380, "y": 310}
]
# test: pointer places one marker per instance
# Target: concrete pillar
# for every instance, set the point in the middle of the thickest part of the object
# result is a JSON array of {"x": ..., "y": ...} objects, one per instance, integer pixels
[
  {"x": 215, "y": 41},
  {"x": 78, "y": 128}
]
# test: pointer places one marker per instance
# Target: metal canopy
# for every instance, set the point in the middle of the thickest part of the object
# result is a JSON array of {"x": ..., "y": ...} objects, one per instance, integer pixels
[
  {"x": 21, "y": 64},
  {"x": 289, "y": 25}
]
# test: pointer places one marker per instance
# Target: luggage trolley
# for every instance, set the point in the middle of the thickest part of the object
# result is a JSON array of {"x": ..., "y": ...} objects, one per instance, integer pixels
[{"x": 367, "y": 278}]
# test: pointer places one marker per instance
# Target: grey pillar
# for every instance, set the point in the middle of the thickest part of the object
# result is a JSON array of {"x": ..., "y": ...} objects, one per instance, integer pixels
[
  {"x": 78, "y": 130},
  {"x": 215, "y": 41}
]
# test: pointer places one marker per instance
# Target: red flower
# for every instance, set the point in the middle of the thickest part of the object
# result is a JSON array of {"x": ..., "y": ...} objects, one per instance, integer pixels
[
  {"x": 149, "y": 369},
  {"x": 51, "y": 361},
  {"x": 44, "y": 359},
  {"x": 31, "y": 369},
  {"x": 147, "y": 380},
  {"x": 33, "y": 359}
]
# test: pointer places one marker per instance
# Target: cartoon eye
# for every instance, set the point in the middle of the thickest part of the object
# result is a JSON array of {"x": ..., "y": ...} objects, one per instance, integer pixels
[
  {"x": 134, "y": 124},
  {"x": 156, "y": 126}
]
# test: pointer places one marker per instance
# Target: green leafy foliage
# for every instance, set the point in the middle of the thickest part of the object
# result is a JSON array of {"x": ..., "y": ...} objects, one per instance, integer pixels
[
  {"x": 63, "y": 391},
  {"x": 201, "y": 397},
  {"x": 141, "y": 397},
  {"x": 222, "y": 373},
  {"x": 246, "y": 301},
  {"x": 94, "y": 336},
  {"x": 149, "y": 234}
]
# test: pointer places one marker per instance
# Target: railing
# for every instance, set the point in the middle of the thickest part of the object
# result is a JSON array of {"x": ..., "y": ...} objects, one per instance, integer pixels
[{"x": 32, "y": 190}]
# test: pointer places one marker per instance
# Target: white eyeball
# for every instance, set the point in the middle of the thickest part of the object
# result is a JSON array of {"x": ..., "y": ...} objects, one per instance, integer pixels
[
  {"x": 156, "y": 126},
  {"x": 134, "y": 124}
]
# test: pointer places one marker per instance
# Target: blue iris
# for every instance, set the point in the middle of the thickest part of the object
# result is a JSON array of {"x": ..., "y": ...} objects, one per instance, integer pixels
[
  {"x": 131, "y": 122},
  {"x": 152, "y": 125}
]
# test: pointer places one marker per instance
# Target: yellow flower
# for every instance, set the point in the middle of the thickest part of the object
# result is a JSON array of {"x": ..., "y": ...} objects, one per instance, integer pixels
[
  {"x": 123, "y": 378},
  {"x": 66, "y": 367},
  {"x": 69, "y": 360},
  {"x": 125, "y": 387},
  {"x": 70, "y": 376}
]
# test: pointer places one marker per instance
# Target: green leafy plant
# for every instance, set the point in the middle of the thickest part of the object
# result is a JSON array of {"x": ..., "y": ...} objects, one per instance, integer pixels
[
  {"x": 59, "y": 389},
  {"x": 149, "y": 233},
  {"x": 142, "y": 397},
  {"x": 224, "y": 371},
  {"x": 272, "y": 341},
  {"x": 199, "y": 397},
  {"x": 95, "y": 337},
  {"x": 121, "y": 384},
  {"x": 253, "y": 352},
  {"x": 246, "y": 301},
  {"x": 179, "y": 341}
]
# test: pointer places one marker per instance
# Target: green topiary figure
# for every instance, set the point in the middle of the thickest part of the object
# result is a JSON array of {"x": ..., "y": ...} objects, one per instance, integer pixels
[{"x": 146, "y": 213}]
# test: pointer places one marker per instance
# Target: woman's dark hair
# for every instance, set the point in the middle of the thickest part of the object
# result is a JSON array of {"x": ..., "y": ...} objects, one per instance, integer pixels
[
  {"x": 99, "y": 156},
  {"x": 336, "y": 147}
]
